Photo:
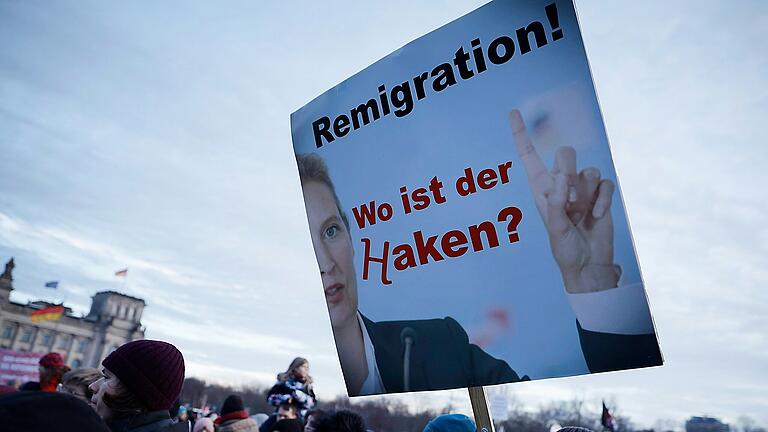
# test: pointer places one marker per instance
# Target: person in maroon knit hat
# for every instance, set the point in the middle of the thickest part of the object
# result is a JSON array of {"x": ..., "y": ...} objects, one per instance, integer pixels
[{"x": 141, "y": 381}]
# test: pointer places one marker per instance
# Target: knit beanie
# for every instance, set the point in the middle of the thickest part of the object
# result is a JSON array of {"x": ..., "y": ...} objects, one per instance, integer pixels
[
  {"x": 51, "y": 360},
  {"x": 153, "y": 371},
  {"x": 232, "y": 404},
  {"x": 451, "y": 423}
]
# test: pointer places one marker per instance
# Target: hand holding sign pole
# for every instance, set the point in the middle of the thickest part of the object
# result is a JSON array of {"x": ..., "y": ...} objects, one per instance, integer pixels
[{"x": 576, "y": 210}]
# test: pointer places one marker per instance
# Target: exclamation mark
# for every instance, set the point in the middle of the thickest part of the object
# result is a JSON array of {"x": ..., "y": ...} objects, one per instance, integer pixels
[{"x": 554, "y": 21}]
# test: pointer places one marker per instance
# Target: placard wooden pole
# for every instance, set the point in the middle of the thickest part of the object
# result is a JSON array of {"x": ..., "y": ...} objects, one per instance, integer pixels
[{"x": 479, "y": 401}]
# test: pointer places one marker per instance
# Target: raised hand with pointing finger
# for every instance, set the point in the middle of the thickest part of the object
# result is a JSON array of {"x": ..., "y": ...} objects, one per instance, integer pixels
[{"x": 576, "y": 210}]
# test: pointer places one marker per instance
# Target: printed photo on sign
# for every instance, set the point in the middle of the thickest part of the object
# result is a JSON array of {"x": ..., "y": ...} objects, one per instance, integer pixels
[{"x": 465, "y": 211}]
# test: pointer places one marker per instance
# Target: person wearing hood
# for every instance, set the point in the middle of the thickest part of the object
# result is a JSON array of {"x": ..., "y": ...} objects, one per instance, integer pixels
[
  {"x": 234, "y": 417},
  {"x": 140, "y": 382}
]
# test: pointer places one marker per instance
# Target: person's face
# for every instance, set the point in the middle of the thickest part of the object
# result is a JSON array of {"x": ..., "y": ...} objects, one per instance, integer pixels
[
  {"x": 283, "y": 414},
  {"x": 302, "y": 371},
  {"x": 333, "y": 248},
  {"x": 108, "y": 384}
]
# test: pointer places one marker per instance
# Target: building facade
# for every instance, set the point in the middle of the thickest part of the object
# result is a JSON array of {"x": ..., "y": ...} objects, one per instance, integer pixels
[
  {"x": 706, "y": 424},
  {"x": 83, "y": 341}
]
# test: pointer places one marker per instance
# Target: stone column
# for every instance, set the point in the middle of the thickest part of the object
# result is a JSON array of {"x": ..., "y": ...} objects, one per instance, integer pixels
[
  {"x": 32, "y": 344},
  {"x": 15, "y": 335},
  {"x": 71, "y": 346},
  {"x": 54, "y": 337}
]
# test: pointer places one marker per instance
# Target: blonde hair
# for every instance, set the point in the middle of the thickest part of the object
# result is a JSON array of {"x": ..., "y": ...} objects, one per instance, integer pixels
[
  {"x": 82, "y": 377},
  {"x": 289, "y": 374},
  {"x": 313, "y": 168}
]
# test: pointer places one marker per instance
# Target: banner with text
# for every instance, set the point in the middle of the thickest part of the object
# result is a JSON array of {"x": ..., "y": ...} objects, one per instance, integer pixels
[
  {"x": 465, "y": 212},
  {"x": 16, "y": 367}
]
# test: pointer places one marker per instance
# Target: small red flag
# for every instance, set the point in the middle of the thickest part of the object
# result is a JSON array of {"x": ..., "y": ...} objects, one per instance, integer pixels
[{"x": 122, "y": 273}]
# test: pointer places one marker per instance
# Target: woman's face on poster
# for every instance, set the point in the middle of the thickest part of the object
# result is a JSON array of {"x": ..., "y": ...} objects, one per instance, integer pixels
[{"x": 333, "y": 248}]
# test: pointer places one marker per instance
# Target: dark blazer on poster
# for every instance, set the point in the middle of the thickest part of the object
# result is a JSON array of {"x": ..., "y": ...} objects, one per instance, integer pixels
[{"x": 443, "y": 358}]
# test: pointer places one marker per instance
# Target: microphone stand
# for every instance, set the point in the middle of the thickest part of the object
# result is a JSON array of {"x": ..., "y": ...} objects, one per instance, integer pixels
[
  {"x": 407, "y": 364},
  {"x": 477, "y": 395},
  {"x": 408, "y": 339}
]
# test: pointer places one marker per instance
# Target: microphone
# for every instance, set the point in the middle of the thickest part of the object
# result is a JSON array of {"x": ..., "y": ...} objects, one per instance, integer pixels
[{"x": 408, "y": 339}]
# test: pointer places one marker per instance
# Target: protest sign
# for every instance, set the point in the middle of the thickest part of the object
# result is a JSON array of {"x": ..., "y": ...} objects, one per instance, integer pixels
[
  {"x": 465, "y": 212},
  {"x": 18, "y": 367}
]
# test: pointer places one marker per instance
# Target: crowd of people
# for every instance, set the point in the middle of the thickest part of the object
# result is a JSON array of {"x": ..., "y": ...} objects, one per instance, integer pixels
[{"x": 138, "y": 387}]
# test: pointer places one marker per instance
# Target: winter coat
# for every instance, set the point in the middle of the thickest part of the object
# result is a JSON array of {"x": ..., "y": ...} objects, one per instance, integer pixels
[
  {"x": 153, "y": 421},
  {"x": 293, "y": 391},
  {"x": 244, "y": 425}
]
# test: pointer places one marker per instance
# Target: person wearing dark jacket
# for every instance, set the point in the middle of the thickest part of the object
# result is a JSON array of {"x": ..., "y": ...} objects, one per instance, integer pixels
[{"x": 141, "y": 381}]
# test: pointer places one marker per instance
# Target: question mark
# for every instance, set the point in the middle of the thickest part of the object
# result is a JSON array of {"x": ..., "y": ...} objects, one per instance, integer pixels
[{"x": 517, "y": 217}]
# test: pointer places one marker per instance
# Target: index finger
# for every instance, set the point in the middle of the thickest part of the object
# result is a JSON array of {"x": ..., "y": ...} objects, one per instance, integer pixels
[{"x": 534, "y": 167}]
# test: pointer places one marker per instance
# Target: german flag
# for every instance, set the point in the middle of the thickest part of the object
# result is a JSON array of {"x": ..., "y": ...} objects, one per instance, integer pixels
[{"x": 51, "y": 313}]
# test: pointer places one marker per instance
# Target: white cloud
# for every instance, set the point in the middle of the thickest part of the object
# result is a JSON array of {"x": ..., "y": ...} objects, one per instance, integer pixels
[{"x": 115, "y": 158}]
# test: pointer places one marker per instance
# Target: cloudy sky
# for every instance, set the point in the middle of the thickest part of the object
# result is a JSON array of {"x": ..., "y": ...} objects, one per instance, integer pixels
[{"x": 155, "y": 136}]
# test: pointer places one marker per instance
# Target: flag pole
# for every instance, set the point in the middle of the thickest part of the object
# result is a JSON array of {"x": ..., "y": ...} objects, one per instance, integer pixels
[
  {"x": 124, "y": 275},
  {"x": 479, "y": 400}
]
